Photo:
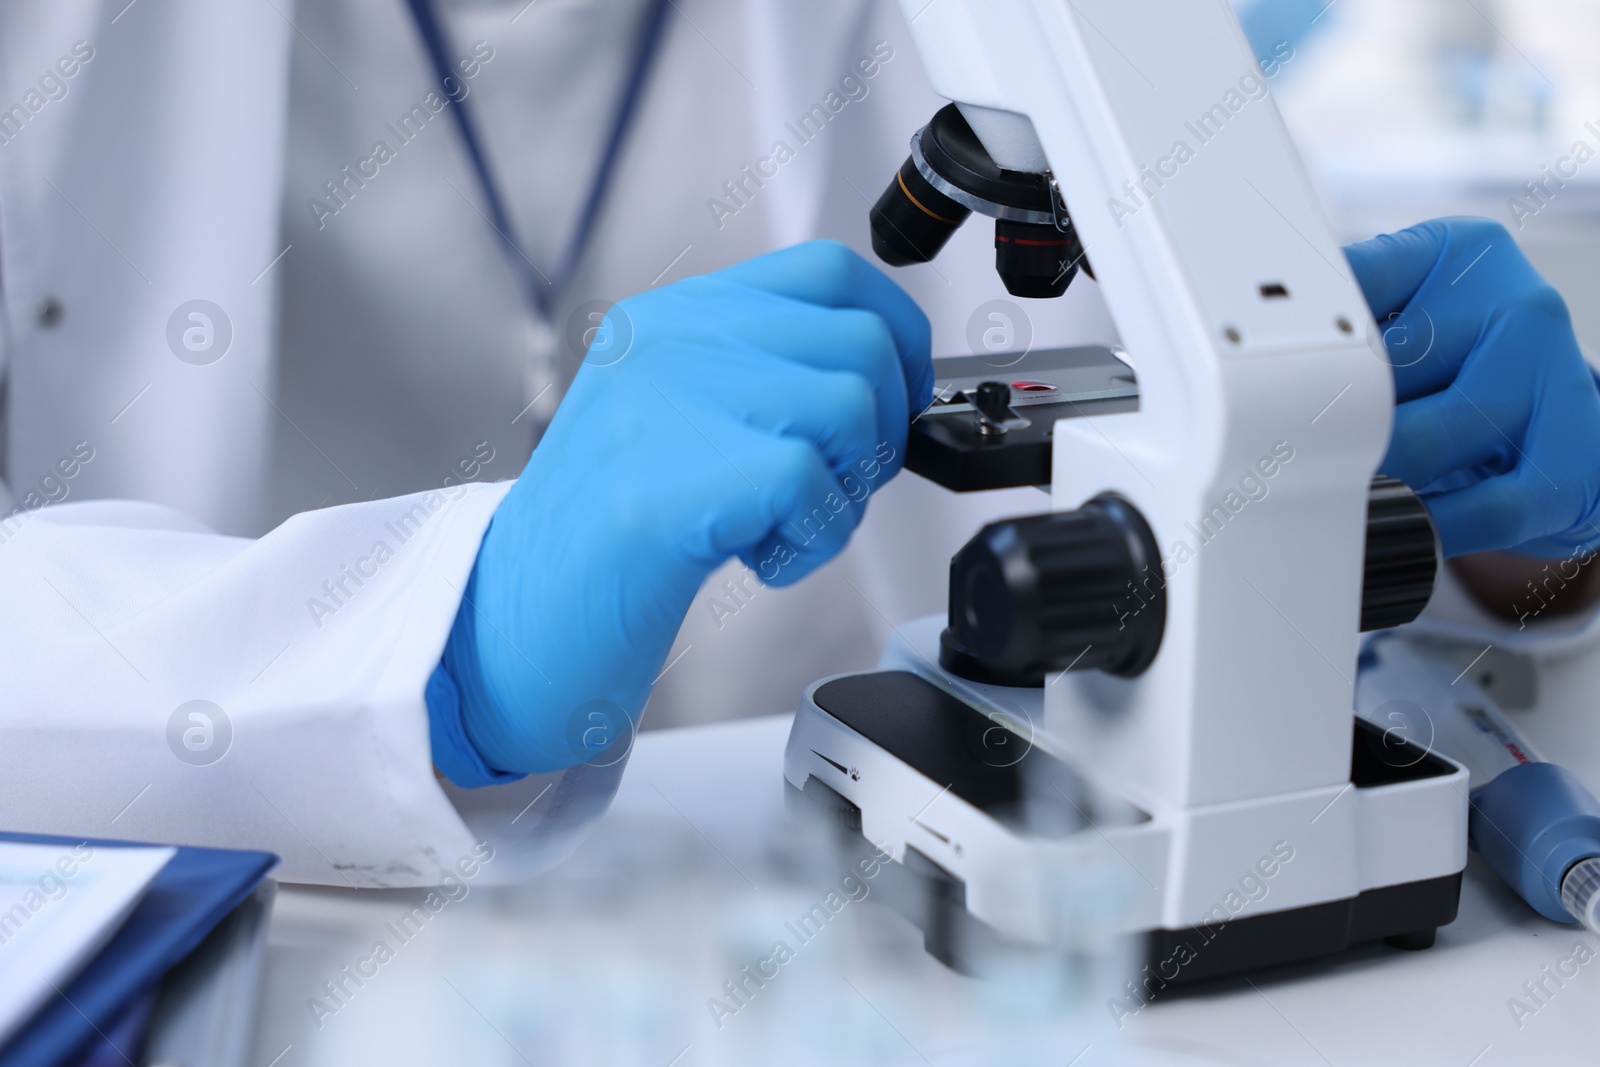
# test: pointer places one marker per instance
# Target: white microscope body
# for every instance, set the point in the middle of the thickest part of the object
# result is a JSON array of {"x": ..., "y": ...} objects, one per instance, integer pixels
[{"x": 1264, "y": 403}]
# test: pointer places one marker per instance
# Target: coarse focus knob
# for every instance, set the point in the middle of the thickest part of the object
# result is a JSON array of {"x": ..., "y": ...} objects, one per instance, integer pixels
[
  {"x": 1063, "y": 590},
  {"x": 1402, "y": 556}
]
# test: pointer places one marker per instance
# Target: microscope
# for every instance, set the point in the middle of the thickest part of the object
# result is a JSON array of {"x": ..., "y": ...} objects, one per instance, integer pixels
[{"x": 1157, "y": 674}]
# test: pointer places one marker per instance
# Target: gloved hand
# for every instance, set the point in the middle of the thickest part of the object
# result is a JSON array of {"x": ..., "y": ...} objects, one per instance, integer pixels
[
  {"x": 744, "y": 413},
  {"x": 1498, "y": 416}
]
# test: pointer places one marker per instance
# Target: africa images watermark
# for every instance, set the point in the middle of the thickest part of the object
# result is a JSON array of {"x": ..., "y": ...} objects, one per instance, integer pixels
[
  {"x": 741, "y": 189},
  {"x": 1252, "y": 487},
  {"x": 338, "y": 591},
  {"x": 1550, "y": 585},
  {"x": 1204, "y": 128},
  {"x": 752, "y": 978},
  {"x": 51, "y": 885},
  {"x": 199, "y": 732},
  {"x": 1539, "y": 192},
  {"x": 1539, "y": 991},
  {"x": 337, "y": 992},
  {"x": 857, "y": 486},
  {"x": 51, "y": 488},
  {"x": 51, "y": 87},
  {"x": 343, "y": 187},
  {"x": 1252, "y": 887}
]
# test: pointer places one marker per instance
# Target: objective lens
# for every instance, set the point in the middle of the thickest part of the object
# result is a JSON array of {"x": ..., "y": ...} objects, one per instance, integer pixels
[
  {"x": 1035, "y": 260},
  {"x": 912, "y": 220}
]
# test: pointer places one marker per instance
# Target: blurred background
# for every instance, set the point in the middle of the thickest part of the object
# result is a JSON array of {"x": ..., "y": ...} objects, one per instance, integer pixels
[{"x": 1411, "y": 109}]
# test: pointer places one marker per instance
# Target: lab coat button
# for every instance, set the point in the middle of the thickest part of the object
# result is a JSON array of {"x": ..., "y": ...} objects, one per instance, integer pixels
[{"x": 50, "y": 313}]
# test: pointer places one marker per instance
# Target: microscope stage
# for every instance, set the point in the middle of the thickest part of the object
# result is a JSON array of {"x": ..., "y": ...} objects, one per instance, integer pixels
[{"x": 947, "y": 447}]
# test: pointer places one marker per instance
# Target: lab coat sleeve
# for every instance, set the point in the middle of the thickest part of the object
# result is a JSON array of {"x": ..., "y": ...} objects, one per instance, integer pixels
[{"x": 166, "y": 683}]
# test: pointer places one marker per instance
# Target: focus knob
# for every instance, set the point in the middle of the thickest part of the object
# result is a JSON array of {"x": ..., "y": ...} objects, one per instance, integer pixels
[
  {"x": 1063, "y": 590},
  {"x": 1402, "y": 557}
]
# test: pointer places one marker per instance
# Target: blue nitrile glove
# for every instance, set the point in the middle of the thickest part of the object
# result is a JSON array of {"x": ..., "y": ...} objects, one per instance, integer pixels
[
  {"x": 1498, "y": 416},
  {"x": 744, "y": 413}
]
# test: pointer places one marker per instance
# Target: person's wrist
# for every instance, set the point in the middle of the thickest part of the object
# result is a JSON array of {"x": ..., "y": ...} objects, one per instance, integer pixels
[
  {"x": 454, "y": 700},
  {"x": 454, "y": 755},
  {"x": 1520, "y": 588}
]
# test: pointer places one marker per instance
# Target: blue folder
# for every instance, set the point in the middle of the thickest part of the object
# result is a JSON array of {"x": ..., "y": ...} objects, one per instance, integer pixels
[{"x": 190, "y": 896}]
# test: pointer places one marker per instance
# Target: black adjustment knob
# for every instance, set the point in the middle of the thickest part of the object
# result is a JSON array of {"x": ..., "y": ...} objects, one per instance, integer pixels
[
  {"x": 1402, "y": 557},
  {"x": 993, "y": 403},
  {"x": 994, "y": 400},
  {"x": 1061, "y": 591}
]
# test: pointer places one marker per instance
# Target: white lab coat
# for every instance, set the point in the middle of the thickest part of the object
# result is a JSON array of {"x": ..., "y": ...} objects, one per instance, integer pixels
[{"x": 216, "y": 530}]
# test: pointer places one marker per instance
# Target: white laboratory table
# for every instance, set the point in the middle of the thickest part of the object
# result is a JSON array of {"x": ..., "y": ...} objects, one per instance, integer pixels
[{"x": 505, "y": 976}]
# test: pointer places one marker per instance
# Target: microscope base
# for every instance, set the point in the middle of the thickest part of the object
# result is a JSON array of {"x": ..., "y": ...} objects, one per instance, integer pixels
[
  {"x": 1403, "y": 916},
  {"x": 933, "y": 900},
  {"x": 998, "y": 842}
]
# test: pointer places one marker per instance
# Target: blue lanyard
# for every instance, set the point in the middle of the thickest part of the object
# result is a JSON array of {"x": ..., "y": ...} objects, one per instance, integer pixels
[{"x": 540, "y": 289}]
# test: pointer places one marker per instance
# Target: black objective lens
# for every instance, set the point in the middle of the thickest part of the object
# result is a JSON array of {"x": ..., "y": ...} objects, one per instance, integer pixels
[
  {"x": 1034, "y": 260},
  {"x": 912, "y": 220}
]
